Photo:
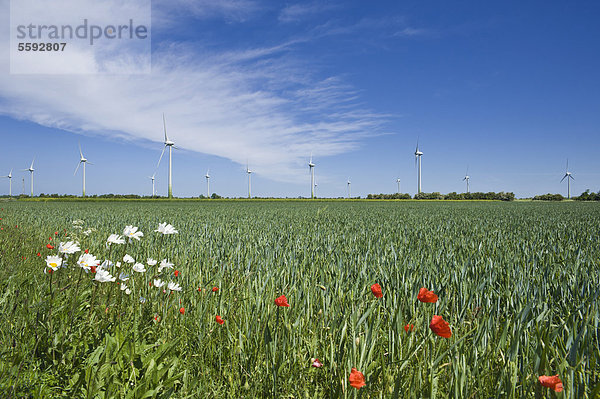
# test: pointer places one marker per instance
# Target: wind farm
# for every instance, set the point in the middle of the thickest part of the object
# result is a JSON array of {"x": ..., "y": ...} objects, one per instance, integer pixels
[{"x": 383, "y": 273}]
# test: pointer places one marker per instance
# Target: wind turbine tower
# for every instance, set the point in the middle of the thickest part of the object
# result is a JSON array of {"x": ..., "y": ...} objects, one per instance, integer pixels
[
  {"x": 82, "y": 160},
  {"x": 311, "y": 166},
  {"x": 152, "y": 178},
  {"x": 171, "y": 145},
  {"x": 348, "y": 183},
  {"x": 418, "y": 155},
  {"x": 568, "y": 176},
  {"x": 9, "y": 176},
  {"x": 207, "y": 183},
  {"x": 30, "y": 170},
  {"x": 466, "y": 178},
  {"x": 398, "y": 181},
  {"x": 249, "y": 173}
]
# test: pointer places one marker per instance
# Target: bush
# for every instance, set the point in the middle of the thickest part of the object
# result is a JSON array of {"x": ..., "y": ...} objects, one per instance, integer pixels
[
  {"x": 587, "y": 196},
  {"x": 549, "y": 197}
]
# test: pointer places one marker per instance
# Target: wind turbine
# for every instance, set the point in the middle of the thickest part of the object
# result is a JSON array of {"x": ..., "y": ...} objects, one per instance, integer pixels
[
  {"x": 249, "y": 172},
  {"x": 348, "y": 183},
  {"x": 466, "y": 178},
  {"x": 568, "y": 176},
  {"x": 311, "y": 167},
  {"x": 418, "y": 155},
  {"x": 152, "y": 178},
  {"x": 30, "y": 170},
  {"x": 315, "y": 187},
  {"x": 171, "y": 145},
  {"x": 9, "y": 176},
  {"x": 82, "y": 160},
  {"x": 207, "y": 183},
  {"x": 398, "y": 181}
]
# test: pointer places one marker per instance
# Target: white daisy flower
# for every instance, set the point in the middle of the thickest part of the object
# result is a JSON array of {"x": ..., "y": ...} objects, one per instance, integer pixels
[
  {"x": 151, "y": 262},
  {"x": 103, "y": 276},
  {"x": 128, "y": 259},
  {"x": 164, "y": 264},
  {"x": 174, "y": 287},
  {"x": 139, "y": 267},
  {"x": 114, "y": 239},
  {"x": 86, "y": 261},
  {"x": 132, "y": 232},
  {"x": 106, "y": 264},
  {"x": 53, "y": 262},
  {"x": 69, "y": 247},
  {"x": 158, "y": 283},
  {"x": 118, "y": 264},
  {"x": 126, "y": 289},
  {"x": 166, "y": 229}
]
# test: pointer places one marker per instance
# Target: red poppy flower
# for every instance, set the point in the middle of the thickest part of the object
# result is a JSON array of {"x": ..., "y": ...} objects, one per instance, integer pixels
[
  {"x": 39, "y": 254},
  {"x": 219, "y": 320},
  {"x": 150, "y": 283},
  {"x": 93, "y": 269},
  {"x": 56, "y": 233},
  {"x": 427, "y": 296},
  {"x": 282, "y": 301},
  {"x": 176, "y": 273},
  {"x": 441, "y": 327},
  {"x": 552, "y": 382},
  {"x": 50, "y": 271},
  {"x": 50, "y": 246},
  {"x": 87, "y": 251},
  {"x": 357, "y": 379},
  {"x": 409, "y": 327},
  {"x": 376, "y": 290},
  {"x": 50, "y": 238},
  {"x": 316, "y": 363},
  {"x": 182, "y": 310},
  {"x": 215, "y": 289}
]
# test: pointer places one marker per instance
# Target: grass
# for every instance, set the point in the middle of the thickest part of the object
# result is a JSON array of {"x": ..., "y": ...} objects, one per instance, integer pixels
[{"x": 518, "y": 283}]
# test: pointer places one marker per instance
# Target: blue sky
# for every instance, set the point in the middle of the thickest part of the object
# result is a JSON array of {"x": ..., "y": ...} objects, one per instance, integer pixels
[{"x": 509, "y": 89}]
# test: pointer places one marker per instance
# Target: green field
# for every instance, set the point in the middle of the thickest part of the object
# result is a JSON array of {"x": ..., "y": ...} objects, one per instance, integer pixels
[{"x": 518, "y": 283}]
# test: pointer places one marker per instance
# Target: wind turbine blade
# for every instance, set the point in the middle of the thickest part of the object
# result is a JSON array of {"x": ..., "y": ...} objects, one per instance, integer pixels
[
  {"x": 571, "y": 176},
  {"x": 31, "y": 167},
  {"x": 165, "y": 127},
  {"x": 161, "y": 155},
  {"x": 89, "y": 163},
  {"x": 564, "y": 177},
  {"x": 80, "y": 152},
  {"x": 567, "y": 169},
  {"x": 77, "y": 168}
]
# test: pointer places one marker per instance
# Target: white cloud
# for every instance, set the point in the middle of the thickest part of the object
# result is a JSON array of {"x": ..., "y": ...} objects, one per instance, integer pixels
[
  {"x": 258, "y": 104},
  {"x": 300, "y": 11}
]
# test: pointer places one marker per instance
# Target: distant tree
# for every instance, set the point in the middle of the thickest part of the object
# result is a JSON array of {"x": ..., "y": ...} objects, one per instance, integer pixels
[{"x": 549, "y": 197}]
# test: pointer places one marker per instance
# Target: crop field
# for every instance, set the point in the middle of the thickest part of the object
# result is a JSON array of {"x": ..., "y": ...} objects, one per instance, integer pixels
[{"x": 199, "y": 313}]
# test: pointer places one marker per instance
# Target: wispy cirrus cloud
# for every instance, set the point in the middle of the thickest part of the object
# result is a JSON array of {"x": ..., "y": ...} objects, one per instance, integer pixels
[
  {"x": 230, "y": 10},
  {"x": 261, "y": 104},
  {"x": 301, "y": 11}
]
